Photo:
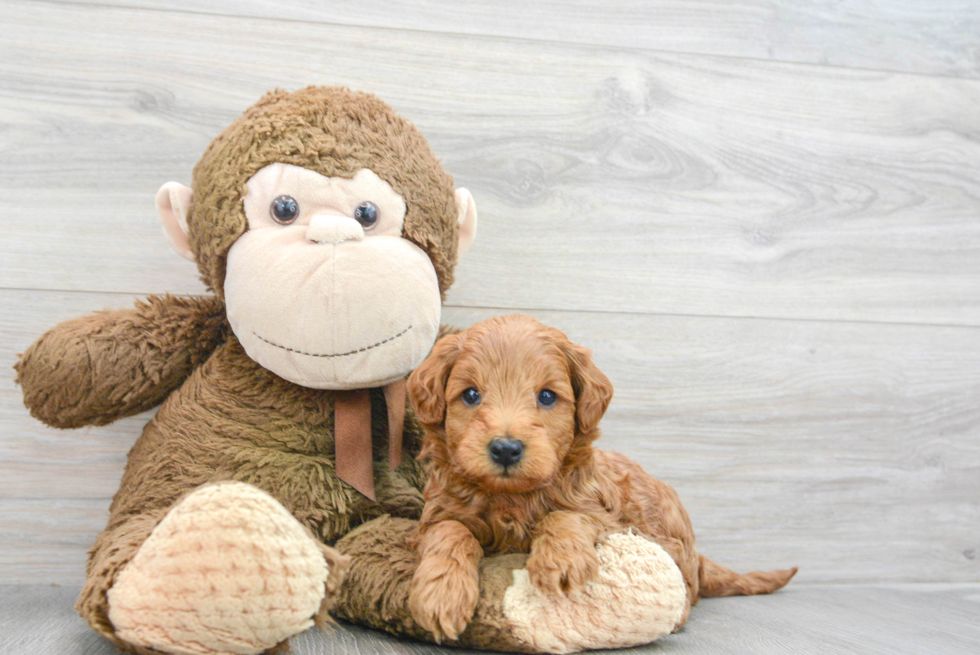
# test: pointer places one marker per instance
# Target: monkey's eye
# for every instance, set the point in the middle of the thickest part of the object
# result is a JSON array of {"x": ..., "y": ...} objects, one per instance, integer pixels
[
  {"x": 547, "y": 398},
  {"x": 471, "y": 397},
  {"x": 284, "y": 210},
  {"x": 366, "y": 214}
]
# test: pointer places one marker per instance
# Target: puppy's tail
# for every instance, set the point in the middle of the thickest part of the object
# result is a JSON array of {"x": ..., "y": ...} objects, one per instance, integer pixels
[{"x": 716, "y": 580}]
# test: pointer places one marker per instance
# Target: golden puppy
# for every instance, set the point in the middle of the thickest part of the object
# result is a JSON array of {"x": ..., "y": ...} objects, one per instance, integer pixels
[{"x": 510, "y": 409}]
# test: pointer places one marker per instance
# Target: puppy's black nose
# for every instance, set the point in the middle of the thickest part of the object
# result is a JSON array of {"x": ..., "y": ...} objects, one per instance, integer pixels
[{"x": 506, "y": 451}]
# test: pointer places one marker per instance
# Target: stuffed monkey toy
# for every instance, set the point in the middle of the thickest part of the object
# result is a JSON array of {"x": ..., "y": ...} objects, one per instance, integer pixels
[{"x": 278, "y": 480}]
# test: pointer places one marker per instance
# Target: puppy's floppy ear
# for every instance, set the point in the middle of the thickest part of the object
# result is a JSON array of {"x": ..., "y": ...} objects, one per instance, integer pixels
[
  {"x": 593, "y": 390},
  {"x": 427, "y": 383}
]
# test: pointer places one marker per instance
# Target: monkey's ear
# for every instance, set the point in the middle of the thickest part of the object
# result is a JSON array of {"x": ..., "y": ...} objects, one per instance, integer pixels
[
  {"x": 467, "y": 220},
  {"x": 427, "y": 383},
  {"x": 174, "y": 202}
]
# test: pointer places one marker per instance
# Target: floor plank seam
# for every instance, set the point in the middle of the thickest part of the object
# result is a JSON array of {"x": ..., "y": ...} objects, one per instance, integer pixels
[{"x": 135, "y": 295}]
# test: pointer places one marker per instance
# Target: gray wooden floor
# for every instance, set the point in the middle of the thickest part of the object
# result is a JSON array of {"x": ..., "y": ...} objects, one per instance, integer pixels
[
  {"x": 802, "y": 620},
  {"x": 762, "y": 215}
]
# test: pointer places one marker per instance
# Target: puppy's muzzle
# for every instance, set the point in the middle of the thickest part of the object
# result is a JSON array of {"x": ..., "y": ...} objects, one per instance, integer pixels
[{"x": 506, "y": 451}]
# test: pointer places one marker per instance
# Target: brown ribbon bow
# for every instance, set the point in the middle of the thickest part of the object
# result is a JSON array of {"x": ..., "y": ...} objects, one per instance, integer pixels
[{"x": 354, "y": 458}]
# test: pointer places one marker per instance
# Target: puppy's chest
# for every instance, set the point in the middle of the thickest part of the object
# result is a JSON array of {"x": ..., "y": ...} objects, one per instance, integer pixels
[{"x": 508, "y": 527}]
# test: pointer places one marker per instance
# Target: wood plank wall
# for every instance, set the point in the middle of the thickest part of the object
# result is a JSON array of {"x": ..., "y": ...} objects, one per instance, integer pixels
[{"x": 763, "y": 216}]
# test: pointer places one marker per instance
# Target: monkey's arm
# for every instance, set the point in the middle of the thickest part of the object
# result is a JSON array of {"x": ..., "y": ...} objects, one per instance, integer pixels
[
  {"x": 637, "y": 596},
  {"x": 98, "y": 368}
]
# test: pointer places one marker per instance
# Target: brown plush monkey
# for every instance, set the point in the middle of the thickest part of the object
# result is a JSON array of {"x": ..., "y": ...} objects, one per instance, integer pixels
[{"x": 328, "y": 232}]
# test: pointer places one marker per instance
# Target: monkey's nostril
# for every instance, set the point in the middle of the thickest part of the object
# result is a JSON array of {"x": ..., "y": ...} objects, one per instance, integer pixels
[
  {"x": 334, "y": 229},
  {"x": 506, "y": 451}
]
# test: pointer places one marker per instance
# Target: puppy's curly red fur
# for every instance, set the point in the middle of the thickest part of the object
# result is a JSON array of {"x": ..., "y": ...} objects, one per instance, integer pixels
[{"x": 558, "y": 499}]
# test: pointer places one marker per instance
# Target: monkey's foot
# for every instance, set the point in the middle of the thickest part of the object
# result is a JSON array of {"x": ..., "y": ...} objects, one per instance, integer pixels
[{"x": 227, "y": 571}]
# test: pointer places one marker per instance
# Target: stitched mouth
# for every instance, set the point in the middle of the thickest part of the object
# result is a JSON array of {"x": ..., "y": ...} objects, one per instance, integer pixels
[{"x": 350, "y": 352}]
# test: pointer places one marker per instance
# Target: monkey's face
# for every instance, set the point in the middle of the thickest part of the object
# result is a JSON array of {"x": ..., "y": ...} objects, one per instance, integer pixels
[
  {"x": 331, "y": 231},
  {"x": 322, "y": 289}
]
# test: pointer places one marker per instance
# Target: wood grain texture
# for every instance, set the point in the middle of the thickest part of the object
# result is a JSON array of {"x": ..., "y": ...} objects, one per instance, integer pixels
[
  {"x": 850, "y": 450},
  {"x": 46, "y": 539},
  {"x": 648, "y": 189},
  {"x": 798, "y": 620},
  {"x": 919, "y": 36},
  {"x": 607, "y": 179}
]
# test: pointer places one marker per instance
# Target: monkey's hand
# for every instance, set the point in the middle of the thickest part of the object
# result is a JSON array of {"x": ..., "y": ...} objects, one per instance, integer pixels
[
  {"x": 98, "y": 368},
  {"x": 638, "y": 595}
]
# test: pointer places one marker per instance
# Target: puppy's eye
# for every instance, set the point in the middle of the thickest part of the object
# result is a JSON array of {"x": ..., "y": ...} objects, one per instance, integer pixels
[
  {"x": 471, "y": 397},
  {"x": 547, "y": 398},
  {"x": 366, "y": 214},
  {"x": 284, "y": 210}
]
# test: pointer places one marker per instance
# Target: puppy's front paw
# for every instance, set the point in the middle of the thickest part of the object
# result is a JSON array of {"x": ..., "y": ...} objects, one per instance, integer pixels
[
  {"x": 561, "y": 567},
  {"x": 443, "y": 597}
]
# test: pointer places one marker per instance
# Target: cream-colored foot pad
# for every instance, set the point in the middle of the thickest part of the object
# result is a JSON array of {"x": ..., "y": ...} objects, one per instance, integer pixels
[
  {"x": 638, "y": 596},
  {"x": 228, "y": 570}
]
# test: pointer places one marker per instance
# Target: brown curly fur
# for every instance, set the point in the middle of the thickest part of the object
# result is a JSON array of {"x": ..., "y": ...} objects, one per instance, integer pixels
[{"x": 558, "y": 500}]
